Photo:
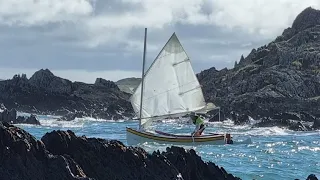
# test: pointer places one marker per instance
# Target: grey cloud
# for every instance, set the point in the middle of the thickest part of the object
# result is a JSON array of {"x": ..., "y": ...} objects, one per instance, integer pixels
[
  {"x": 56, "y": 45},
  {"x": 114, "y": 7}
]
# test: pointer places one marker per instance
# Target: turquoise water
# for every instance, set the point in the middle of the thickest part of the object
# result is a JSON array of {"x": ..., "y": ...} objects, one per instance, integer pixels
[{"x": 274, "y": 154}]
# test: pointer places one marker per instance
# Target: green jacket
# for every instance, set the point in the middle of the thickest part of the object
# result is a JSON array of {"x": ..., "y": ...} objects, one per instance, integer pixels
[{"x": 198, "y": 121}]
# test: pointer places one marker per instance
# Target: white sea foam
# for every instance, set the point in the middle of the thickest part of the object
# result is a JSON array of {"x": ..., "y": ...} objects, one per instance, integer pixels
[{"x": 52, "y": 121}]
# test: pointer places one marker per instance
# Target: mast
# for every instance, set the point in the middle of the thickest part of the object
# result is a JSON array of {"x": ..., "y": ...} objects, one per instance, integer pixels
[{"x": 142, "y": 76}]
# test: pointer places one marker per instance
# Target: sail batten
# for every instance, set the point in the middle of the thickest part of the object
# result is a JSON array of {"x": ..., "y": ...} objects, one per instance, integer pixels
[{"x": 170, "y": 86}]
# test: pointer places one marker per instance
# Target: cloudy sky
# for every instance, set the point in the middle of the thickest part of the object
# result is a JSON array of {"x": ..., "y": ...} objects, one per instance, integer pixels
[{"x": 85, "y": 39}]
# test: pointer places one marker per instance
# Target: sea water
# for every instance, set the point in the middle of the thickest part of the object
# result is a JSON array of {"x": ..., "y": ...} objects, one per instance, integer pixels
[{"x": 274, "y": 153}]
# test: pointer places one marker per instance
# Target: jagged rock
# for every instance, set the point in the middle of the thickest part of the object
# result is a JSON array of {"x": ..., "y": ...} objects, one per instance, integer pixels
[
  {"x": 316, "y": 124},
  {"x": 107, "y": 83},
  {"x": 32, "y": 119},
  {"x": 24, "y": 157},
  {"x": 239, "y": 119},
  {"x": 102, "y": 159},
  {"x": 307, "y": 18},
  {"x": 280, "y": 78},
  {"x": 46, "y": 80},
  {"x": 289, "y": 123},
  {"x": 71, "y": 116},
  {"x": 191, "y": 165},
  {"x": 10, "y": 116},
  {"x": 286, "y": 115},
  {"x": 45, "y": 93},
  {"x": 312, "y": 177}
]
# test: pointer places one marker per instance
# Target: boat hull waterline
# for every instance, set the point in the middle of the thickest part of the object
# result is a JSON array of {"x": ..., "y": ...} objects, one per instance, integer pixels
[{"x": 135, "y": 137}]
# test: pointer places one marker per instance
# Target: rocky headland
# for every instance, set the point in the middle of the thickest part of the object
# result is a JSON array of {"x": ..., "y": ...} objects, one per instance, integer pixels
[
  {"x": 45, "y": 93},
  {"x": 277, "y": 84}
]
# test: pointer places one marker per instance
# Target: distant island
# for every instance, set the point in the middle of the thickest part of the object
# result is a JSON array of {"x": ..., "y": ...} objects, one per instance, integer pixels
[{"x": 277, "y": 84}]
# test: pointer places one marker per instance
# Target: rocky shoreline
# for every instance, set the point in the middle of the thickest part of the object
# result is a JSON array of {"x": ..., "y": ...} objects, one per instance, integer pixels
[
  {"x": 63, "y": 155},
  {"x": 45, "y": 93}
]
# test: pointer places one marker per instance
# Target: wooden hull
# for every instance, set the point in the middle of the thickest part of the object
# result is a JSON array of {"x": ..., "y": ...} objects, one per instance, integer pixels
[{"x": 135, "y": 137}]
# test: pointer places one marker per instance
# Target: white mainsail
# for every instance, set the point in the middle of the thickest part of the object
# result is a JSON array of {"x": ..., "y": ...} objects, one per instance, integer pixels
[{"x": 171, "y": 87}]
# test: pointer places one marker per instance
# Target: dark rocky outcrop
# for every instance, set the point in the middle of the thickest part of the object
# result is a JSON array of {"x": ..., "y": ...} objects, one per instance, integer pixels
[
  {"x": 72, "y": 116},
  {"x": 24, "y": 157},
  {"x": 106, "y": 83},
  {"x": 63, "y": 155},
  {"x": 10, "y": 116},
  {"x": 192, "y": 167},
  {"x": 45, "y": 93},
  {"x": 312, "y": 177},
  {"x": 316, "y": 124},
  {"x": 103, "y": 159},
  {"x": 306, "y": 19},
  {"x": 273, "y": 81}
]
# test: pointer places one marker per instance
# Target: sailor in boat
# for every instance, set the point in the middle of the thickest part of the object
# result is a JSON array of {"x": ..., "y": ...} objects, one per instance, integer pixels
[{"x": 198, "y": 121}]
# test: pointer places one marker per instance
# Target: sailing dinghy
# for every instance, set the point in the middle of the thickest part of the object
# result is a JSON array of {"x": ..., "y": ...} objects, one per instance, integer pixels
[{"x": 169, "y": 89}]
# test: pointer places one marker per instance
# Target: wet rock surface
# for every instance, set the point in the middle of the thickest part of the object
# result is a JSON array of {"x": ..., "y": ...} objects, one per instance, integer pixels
[
  {"x": 24, "y": 157},
  {"x": 10, "y": 116},
  {"x": 312, "y": 177}
]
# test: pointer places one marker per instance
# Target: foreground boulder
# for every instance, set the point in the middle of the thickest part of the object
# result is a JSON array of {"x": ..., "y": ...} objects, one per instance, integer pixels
[
  {"x": 312, "y": 177},
  {"x": 191, "y": 165},
  {"x": 103, "y": 159},
  {"x": 24, "y": 157}
]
